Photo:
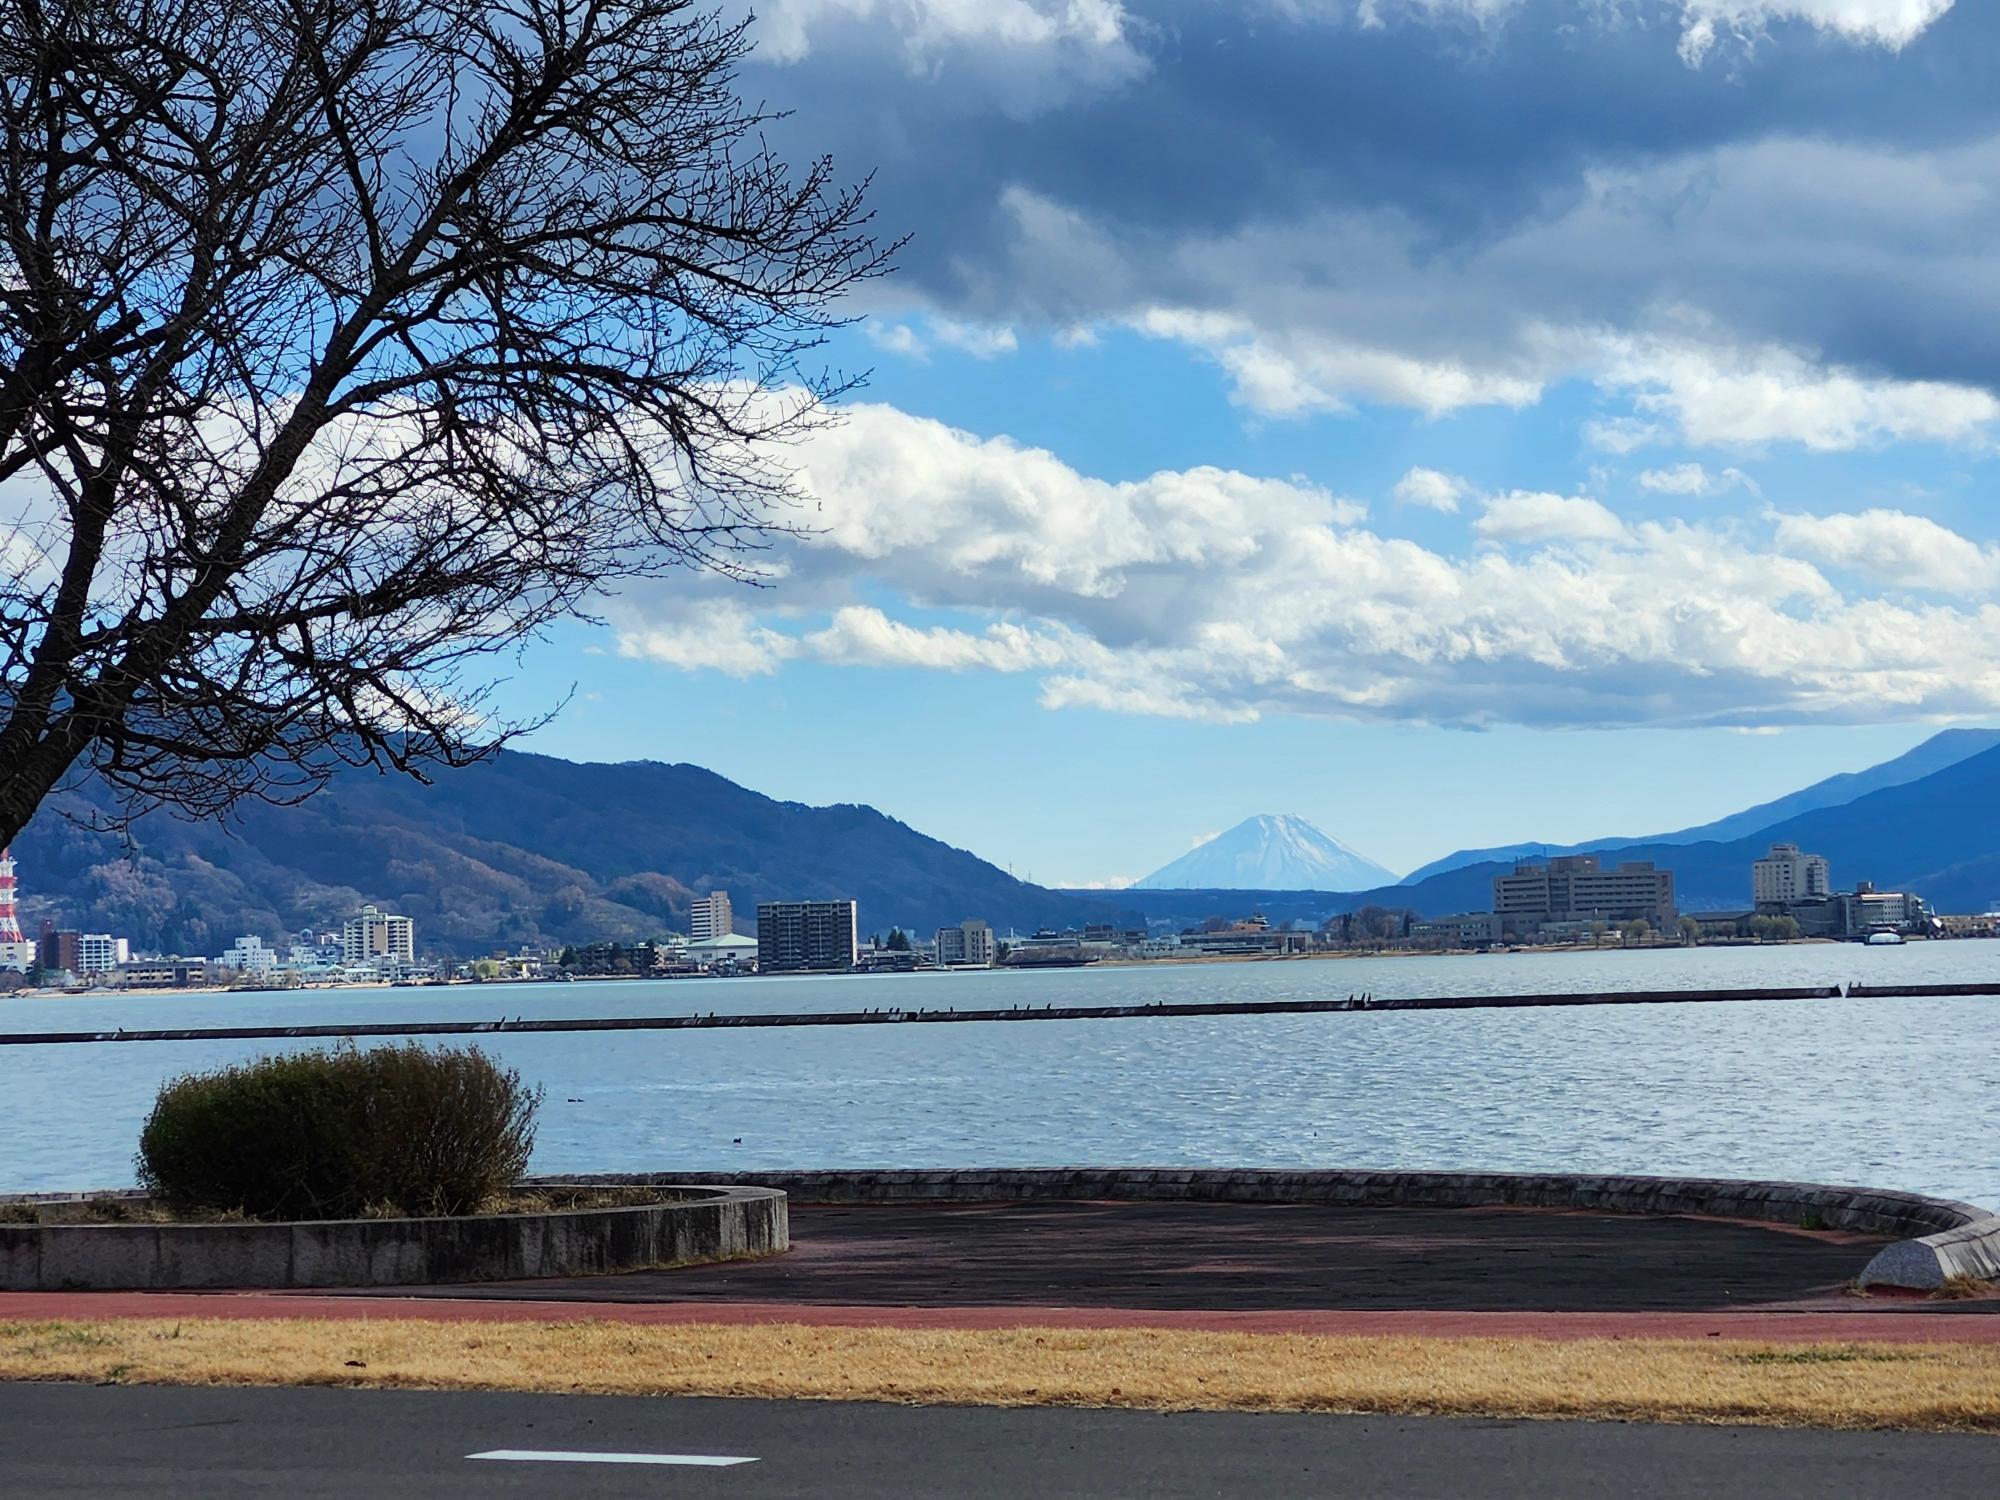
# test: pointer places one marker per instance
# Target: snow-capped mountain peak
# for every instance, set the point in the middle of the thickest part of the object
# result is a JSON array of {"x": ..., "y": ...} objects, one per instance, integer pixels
[{"x": 1271, "y": 852}]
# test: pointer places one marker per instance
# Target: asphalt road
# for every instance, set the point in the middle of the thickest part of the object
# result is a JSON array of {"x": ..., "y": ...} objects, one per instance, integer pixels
[
  {"x": 1250, "y": 1257},
  {"x": 163, "y": 1442}
]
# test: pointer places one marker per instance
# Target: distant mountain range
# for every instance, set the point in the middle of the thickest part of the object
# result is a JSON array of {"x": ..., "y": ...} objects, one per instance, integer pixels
[
  {"x": 1271, "y": 852},
  {"x": 520, "y": 849},
  {"x": 1935, "y": 833},
  {"x": 1944, "y": 749},
  {"x": 527, "y": 848}
]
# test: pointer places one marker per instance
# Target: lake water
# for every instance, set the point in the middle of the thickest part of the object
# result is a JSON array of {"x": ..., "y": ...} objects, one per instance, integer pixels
[{"x": 1887, "y": 1093}]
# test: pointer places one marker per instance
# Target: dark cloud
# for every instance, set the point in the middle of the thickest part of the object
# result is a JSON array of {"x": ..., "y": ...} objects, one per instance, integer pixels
[{"x": 1481, "y": 149}]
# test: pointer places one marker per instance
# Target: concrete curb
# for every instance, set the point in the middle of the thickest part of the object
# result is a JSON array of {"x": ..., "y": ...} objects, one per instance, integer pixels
[
  {"x": 1969, "y": 1252},
  {"x": 714, "y": 1223},
  {"x": 1866, "y": 1210}
]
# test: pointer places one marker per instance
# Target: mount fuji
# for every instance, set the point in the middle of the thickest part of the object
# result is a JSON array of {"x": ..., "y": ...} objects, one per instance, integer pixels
[{"x": 1271, "y": 852}]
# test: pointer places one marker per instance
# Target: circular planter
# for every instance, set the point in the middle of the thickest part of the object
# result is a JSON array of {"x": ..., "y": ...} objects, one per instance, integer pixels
[
  {"x": 1940, "y": 1240},
  {"x": 706, "y": 1223}
]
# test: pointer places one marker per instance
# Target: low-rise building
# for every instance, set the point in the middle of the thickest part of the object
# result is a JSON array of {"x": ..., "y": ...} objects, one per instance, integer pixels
[
  {"x": 1730, "y": 923},
  {"x": 1251, "y": 936},
  {"x": 1469, "y": 929},
  {"x": 969, "y": 944},
  {"x": 315, "y": 953},
  {"x": 730, "y": 950},
  {"x": 250, "y": 955},
  {"x": 1856, "y": 913},
  {"x": 164, "y": 973},
  {"x": 1866, "y": 910},
  {"x": 632, "y": 959}
]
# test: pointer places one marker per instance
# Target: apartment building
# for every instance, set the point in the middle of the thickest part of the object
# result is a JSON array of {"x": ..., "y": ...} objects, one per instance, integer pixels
[
  {"x": 798, "y": 935},
  {"x": 969, "y": 943}
]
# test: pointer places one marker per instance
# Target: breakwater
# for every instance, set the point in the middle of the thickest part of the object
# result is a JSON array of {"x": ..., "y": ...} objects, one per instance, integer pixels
[{"x": 893, "y": 1016}]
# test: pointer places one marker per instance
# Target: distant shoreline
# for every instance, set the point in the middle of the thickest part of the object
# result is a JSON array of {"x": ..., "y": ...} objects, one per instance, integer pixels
[{"x": 1176, "y": 960}]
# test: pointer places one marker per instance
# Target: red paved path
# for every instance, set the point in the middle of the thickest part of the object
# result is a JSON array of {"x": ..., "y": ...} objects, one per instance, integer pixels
[{"x": 1775, "y": 1327}]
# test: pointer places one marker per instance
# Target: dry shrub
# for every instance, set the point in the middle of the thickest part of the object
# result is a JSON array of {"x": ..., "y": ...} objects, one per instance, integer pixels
[{"x": 340, "y": 1134}]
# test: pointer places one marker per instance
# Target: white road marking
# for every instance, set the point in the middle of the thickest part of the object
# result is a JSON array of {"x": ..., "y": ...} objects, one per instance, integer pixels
[{"x": 556, "y": 1456}]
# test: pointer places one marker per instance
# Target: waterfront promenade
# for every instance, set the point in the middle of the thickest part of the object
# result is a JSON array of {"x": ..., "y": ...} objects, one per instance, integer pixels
[
  {"x": 986, "y": 1348},
  {"x": 1320, "y": 1269}
]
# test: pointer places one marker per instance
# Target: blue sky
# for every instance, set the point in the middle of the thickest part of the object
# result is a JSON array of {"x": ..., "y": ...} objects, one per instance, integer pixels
[{"x": 1455, "y": 421}]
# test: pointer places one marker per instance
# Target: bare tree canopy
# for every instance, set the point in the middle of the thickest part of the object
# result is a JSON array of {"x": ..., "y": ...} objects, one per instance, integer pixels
[{"x": 344, "y": 343}]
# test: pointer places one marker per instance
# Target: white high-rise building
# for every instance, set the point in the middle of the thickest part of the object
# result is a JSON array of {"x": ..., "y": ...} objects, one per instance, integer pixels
[
  {"x": 711, "y": 917},
  {"x": 373, "y": 937},
  {"x": 100, "y": 952},
  {"x": 1785, "y": 875}
]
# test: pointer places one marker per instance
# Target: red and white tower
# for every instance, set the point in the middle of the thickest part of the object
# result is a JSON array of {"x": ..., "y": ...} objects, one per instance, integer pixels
[{"x": 10, "y": 920}]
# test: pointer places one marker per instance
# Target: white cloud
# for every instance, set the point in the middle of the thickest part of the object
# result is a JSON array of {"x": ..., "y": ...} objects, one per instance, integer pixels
[
  {"x": 981, "y": 341},
  {"x": 862, "y": 635},
  {"x": 1893, "y": 24},
  {"x": 1431, "y": 489},
  {"x": 1695, "y": 479},
  {"x": 1883, "y": 23},
  {"x": 1681, "y": 479},
  {"x": 1894, "y": 546},
  {"x": 1299, "y": 373},
  {"x": 1210, "y": 594},
  {"x": 1622, "y": 435},
  {"x": 719, "y": 634},
  {"x": 1203, "y": 838},
  {"x": 24, "y": 566},
  {"x": 1028, "y": 55},
  {"x": 1741, "y": 397},
  {"x": 897, "y": 338},
  {"x": 1525, "y": 516}
]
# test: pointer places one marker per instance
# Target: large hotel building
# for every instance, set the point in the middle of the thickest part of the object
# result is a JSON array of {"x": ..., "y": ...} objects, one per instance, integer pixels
[
  {"x": 1576, "y": 888},
  {"x": 1787, "y": 875}
]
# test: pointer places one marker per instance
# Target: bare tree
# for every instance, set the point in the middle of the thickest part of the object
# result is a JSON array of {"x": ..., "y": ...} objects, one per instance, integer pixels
[{"x": 344, "y": 343}]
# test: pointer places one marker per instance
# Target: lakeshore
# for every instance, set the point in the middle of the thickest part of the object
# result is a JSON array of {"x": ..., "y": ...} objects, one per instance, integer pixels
[
  {"x": 1822, "y": 1090},
  {"x": 1165, "y": 961}
]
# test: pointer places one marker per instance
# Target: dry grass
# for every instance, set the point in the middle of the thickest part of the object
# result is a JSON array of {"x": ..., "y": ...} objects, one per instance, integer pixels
[
  {"x": 1963, "y": 1288},
  {"x": 1933, "y": 1387}
]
